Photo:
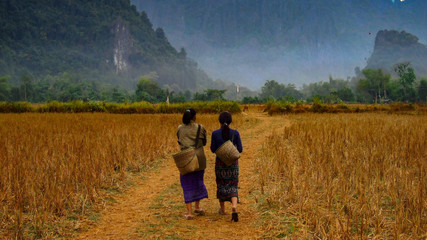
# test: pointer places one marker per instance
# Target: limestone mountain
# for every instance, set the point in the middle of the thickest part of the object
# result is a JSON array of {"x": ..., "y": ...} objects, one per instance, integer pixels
[
  {"x": 393, "y": 47},
  {"x": 107, "y": 41}
]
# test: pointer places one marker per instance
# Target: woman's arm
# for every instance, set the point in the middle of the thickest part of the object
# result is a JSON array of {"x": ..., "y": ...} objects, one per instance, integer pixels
[
  {"x": 238, "y": 142},
  {"x": 213, "y": 143},
  {"x": 177, "y": 133}
]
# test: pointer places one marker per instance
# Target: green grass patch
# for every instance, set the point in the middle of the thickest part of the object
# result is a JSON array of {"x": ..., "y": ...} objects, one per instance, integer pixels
[
  {"x": 118, "y": 108},
  {"x": 284, "y": 107}
]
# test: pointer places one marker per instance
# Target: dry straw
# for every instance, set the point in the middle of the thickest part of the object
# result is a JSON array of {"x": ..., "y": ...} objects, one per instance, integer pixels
[
  {"x": 54, "y": 167},
  {"x": 347, "y": 176}
]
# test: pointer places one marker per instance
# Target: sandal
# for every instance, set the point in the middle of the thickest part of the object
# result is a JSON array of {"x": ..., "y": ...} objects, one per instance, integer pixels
[
  {"x": 199, "y": 212},
  {"x": 188, "y": 217},
  {"x": 234, "y": 216},
  {"x": 221, "y": 212}
]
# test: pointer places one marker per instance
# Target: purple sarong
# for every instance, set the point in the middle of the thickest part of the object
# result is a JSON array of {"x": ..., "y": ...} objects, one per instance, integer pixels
[{"x": 193, "y": 186}]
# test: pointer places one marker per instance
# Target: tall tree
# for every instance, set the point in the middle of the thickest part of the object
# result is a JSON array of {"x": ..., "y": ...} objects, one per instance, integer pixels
[
  {"x": 4, "y": 88},
  {"x": 422, "y": 90},
  {"x": 406, "y": 79},
  {"x": 210, "y": 95},
  {"x": 26, "y": 88},
  {"x": 374, "y": 84},
  {"x": 290, "y": 91},
  {"x": 271, "y": 88},
  {"x": 148, "y": 90},
  {"x": 215, "y": 94},
  {"x": 316, "y": 89},
  {"x": 345, "y": 94}
]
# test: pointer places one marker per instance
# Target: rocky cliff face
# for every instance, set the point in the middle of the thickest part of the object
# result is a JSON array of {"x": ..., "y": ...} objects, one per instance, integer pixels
[
  {"x": 123, "y": 46},
  {"x": 393, "y": 38},
  {"x": 392, "y": 47}
]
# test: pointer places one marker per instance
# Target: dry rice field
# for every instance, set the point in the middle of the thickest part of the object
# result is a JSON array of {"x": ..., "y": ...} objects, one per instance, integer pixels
[
  {"x": 346, "y": 176},
  {"x": 55, "y": 167},
  {"x": 305, "y": 176}
]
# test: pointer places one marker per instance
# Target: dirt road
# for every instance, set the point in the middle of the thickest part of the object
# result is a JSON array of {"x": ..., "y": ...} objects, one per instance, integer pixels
[{"x": 154, "y": 208}]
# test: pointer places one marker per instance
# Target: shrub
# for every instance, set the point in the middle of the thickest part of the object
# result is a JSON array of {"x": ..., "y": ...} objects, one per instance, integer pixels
[
  {"x": 318, "y": 108},
  {"x": 398, "y": 106},
  {"x": 220, "y": 106},
  {"x": 281, "y": 107},
  {"x": 15, "y": 107},
  {"x": 53, "y": 106},
  {"x": 120, "y": 108}
]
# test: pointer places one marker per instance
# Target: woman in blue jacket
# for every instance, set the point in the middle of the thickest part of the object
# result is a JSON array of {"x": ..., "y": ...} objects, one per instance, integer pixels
[{"x": 227, "y": 177}]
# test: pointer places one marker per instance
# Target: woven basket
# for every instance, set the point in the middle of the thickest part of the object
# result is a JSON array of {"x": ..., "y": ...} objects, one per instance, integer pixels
[
  {"x": 227, "y": 153},
  {"x": 186, "y": 161}
]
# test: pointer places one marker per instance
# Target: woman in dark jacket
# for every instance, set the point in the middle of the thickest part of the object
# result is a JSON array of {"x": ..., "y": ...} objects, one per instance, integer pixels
[
  {"x": 227, "y": 177},
  {"x": 193, "y": 183}
]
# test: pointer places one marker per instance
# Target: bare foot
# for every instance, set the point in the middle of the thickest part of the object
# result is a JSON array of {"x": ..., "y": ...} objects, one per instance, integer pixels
[
  {"x": 221, "y": 212},
  {"x": 199, "y": 212}
]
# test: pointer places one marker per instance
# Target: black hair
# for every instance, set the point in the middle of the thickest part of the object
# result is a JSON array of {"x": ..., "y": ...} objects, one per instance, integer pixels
[
  {"x": 225, "y": 119},
  {"x": 188, "y": 116}
]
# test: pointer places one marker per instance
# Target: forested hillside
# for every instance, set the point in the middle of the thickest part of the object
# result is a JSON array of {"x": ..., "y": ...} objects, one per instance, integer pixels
[{"x": 104, "y": 41}]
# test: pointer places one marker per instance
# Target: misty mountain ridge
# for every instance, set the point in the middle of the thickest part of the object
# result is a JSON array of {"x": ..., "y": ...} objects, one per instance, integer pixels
[{"x": 303, "y": 41}]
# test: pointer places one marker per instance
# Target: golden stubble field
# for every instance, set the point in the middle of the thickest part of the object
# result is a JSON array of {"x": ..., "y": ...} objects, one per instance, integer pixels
[
  {"x": 55, "y": 168},
  {"x": 329, "y": 176},
  {"x": 346, "y": 176}
]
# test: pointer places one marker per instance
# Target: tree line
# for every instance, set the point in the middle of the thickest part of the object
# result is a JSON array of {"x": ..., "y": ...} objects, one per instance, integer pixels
[
  {"x": 374, "y": 86},
  {"x": 68, "y": 87}
]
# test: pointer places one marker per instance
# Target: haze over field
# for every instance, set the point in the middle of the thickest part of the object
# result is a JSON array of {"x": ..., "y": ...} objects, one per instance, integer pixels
[{"x": 302, "y": 41}]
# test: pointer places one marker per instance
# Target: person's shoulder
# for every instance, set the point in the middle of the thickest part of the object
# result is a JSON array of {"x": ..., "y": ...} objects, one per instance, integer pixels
[
  {"x": 216, "y": 132},
  {"x": 236, "y": 132},
  {"x": 202, "y": 128},
  {"x": 179, "y": 127},
  {"x": 194, "y": 125}
]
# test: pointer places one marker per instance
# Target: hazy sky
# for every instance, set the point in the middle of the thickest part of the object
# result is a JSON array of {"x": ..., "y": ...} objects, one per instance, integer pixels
[{"x": 251, "y": 41}]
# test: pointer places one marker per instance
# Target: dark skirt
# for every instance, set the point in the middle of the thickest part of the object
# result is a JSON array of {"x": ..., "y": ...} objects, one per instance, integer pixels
[
  {"x": 227, "y": 179},
  {"x": 193, "y": 186}
]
